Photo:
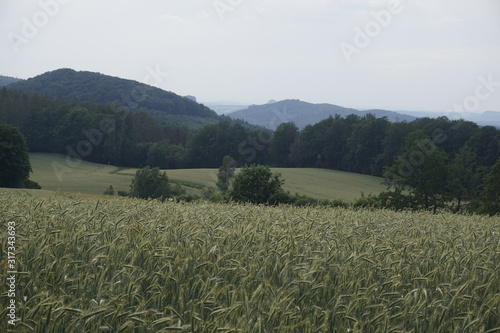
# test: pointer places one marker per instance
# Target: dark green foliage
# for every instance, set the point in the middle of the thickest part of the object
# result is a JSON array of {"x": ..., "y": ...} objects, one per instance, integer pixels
[
  {"x": 150, "y": 183},
  {"x": 28, "y": 183},
  {"x": 370, "y": 201},
  {"x": 5, "y": 80},
  {"x": 301, "y": 200},
  {"x": 465, "y": 176},
  {"x": 209, "y": 145},
  {"x": 226, "y": 172},
  {"x": 422, "y": 171},
  {"x": 395, "y": 200},
  {"x": 485, "y": 141},
  {"x": 324, "y": 144},
  {"x": 187, "y": 198},
  {"x": 491, "y": 194},
  {"x": 110, "y": 134},
  {"x": 165, "y": 155},
  {"x": 177, "y": 190},
  {"x": 213, "y": 195},
  {"x": 110, "y": 190},
  {"x": 351, "y": 144},
  {"x": 255, "y": 184},
  {"x": 284, "y": 145},
  {"x": 103, "y": 89},
  {"x": 96, "y": 133},
  {"x": 364, "y": 145},
  {"x": 15, "y": 165}
]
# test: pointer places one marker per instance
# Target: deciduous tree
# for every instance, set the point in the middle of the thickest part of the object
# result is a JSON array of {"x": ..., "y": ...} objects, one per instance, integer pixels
[
  {"x": 15, "y": 164},
  {"x": 421, "y": 170},
  {"x": 256, "y": 184},
  {"x": 150, "y": 183},
  {"x": 491, "y": 194},
  {"x": 464, "y": 175},
  {"x": 226, "y": 172}
]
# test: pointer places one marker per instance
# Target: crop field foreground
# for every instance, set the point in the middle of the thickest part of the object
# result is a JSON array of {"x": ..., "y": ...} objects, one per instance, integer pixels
[{"x": 98, "y": 265}]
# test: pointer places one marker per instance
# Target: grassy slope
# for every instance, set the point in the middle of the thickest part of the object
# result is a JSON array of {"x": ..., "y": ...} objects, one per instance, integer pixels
[
  {"x": 322, "y": 183},
  {"x": 85, "y": 178},
  {"x": 95, "y": 178}
]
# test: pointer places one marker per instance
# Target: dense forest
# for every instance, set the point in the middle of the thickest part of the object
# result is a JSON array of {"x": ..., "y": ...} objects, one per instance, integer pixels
[
  {"x": 352, "y": 143},
  {"x": 5, "y": 80},
  {"x": 367, "y": 145},
  {"x": 163, "y": 106}
]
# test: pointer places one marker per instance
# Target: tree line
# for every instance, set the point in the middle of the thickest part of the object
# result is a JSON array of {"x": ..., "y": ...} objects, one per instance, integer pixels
[
  {"x": 110, "y": 134},
  {"x": 367, "y": 145}
]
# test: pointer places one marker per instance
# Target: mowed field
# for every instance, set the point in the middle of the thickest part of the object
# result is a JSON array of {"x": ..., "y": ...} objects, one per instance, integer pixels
[
  {"x": 95, "y": 178},
  {"x": 100, "y": 264},
  {"x": 53, "y": 172}
]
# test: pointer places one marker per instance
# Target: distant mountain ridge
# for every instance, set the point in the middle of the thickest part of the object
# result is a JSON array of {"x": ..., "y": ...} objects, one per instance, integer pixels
[
  {"x": 161, "y": 105},
  {"x": 301, "y": 113},
  {"x": 486, "y": 118},
  {"x": 6, "y": 80}
]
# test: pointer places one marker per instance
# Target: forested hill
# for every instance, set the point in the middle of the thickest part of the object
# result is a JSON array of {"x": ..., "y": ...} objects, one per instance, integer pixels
[
  {"x": 302, "y": 113},
  {"x": 5, "y": 80},
  {"x": 161, "y": 105}
]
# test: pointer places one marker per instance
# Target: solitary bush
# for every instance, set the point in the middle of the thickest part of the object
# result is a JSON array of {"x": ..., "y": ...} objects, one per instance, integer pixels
[
  {"x": 150, "y": 183},
  {"x": 256, "y": 184},
  {"x": 110, "y": 190},
  {"x": 226, "y": 172},
  {"x": 187, "y": 198}
]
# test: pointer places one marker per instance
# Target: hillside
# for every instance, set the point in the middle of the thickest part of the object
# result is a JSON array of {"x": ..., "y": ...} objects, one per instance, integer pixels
[
  {"x": 95, "y": 178},
  {"x": 486, "y": 118},
  {"x": 161, "y": 105},
  {"x": 270, "y": 115},
  {"x": 5, "y": 80}
]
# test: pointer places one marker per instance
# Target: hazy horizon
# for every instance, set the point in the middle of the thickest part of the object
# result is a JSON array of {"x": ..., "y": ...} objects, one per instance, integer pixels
[{"x": 394, "y": 55}]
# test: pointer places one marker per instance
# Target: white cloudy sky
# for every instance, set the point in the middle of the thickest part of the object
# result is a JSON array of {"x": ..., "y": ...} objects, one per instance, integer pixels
[{"x": 430, "y": 56}]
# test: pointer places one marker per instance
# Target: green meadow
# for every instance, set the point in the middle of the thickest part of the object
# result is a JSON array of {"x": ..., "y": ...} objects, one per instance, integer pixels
[{"x": 52, "y": 172}]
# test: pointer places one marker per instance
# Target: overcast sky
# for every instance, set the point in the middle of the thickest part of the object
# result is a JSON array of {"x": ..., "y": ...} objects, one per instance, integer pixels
[{"x": 399, "y": 55}]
